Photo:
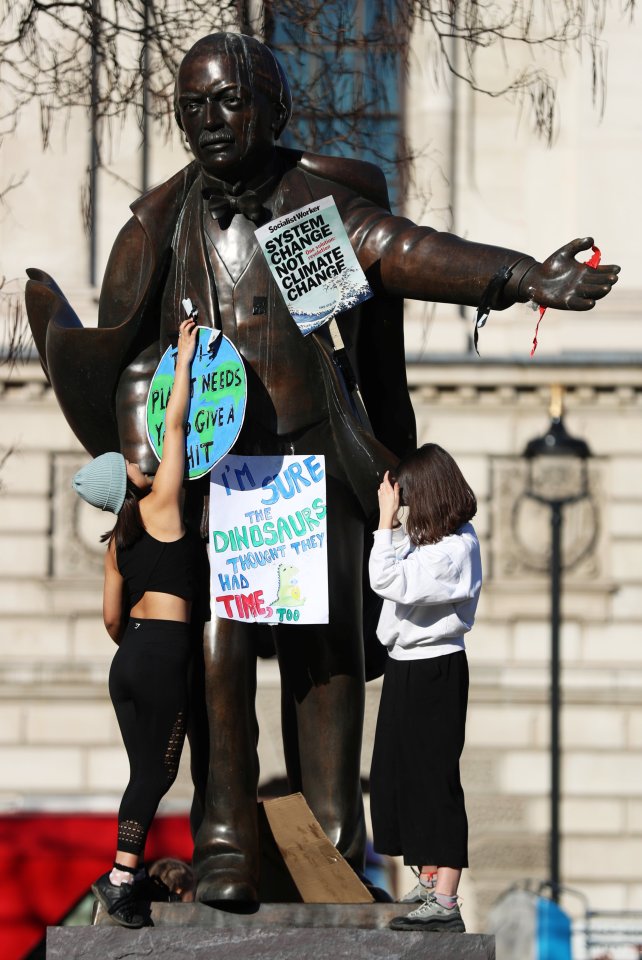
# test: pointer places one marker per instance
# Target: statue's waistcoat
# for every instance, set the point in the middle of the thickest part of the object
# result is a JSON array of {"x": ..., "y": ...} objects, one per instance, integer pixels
[{"x": 223, "y": 271}]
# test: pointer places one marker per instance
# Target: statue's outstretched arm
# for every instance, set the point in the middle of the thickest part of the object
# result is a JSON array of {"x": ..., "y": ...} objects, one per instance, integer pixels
[
  {"x": 44, "y": 299},
  {"x": 84, "y": 364},
  {"x": 424, "y": 264}
]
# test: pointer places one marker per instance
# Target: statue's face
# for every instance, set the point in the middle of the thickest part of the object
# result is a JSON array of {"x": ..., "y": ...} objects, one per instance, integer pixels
[{"x": 229, "y": 124}]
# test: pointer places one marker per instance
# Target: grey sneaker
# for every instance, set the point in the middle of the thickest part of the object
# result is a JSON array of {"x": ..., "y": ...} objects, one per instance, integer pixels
[
  {"x": 432, "y": 917},
  {"x": 419, "y": 893},
  {"x": 421, "y": 890}
]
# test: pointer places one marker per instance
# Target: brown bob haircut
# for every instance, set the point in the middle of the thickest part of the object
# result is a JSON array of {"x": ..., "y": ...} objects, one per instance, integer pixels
[{"x": 438, "y": 498}]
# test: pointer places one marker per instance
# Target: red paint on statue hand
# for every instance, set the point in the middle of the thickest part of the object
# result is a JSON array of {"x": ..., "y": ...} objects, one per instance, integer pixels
[{"x": 593, "y": 262}]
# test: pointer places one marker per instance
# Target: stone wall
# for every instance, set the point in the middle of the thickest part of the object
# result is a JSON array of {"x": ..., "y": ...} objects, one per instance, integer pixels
[
  {"x": 59, "y": 743},
  {"x": 485, "y": 415}
]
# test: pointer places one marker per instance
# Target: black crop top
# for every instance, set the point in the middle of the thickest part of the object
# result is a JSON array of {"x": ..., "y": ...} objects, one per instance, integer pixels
[{"x": 152, "y": 565}]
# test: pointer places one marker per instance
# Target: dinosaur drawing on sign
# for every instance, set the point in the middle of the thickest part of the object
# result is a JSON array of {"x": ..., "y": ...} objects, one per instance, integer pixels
[{"x": 289, "y": 592}]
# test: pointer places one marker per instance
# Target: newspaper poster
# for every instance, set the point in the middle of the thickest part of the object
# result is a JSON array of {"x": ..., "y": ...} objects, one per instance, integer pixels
[
  {"x": 217, "y": 403},
  {"x": 313, "y": 263},
  {"x": 267, "y": 538}
]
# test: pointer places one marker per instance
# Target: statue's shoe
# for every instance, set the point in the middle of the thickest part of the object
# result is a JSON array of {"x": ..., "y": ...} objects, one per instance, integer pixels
[{"x": 227, "y": 889}]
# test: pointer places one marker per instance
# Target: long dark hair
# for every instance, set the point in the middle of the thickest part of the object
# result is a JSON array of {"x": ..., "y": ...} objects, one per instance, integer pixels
[
  {"x": 438, "y": 498},
  {"x": 129, "y": 526}
]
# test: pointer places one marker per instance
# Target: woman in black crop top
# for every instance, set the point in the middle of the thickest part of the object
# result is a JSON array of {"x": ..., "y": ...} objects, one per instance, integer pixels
[{"x": 148, "y": 593}]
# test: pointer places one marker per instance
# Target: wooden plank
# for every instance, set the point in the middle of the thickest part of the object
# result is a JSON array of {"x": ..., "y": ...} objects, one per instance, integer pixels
[{"x": 316, "y": 866}]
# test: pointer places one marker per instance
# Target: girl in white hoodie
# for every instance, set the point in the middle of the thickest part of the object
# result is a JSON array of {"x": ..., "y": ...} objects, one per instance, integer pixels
[{"x": 429, "y": 577}]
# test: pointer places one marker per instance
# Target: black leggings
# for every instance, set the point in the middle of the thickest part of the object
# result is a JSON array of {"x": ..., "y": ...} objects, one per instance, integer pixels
[{"x": 148, "y": 687}]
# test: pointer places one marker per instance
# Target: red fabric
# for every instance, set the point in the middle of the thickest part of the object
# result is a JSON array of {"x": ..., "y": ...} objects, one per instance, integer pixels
[
  {"x": 593, "y": 262},
  {"x": 48, "y": 861}
]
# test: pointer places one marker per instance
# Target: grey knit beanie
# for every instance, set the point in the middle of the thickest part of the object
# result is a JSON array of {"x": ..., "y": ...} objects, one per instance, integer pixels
[{"x": 103, "y": 482}]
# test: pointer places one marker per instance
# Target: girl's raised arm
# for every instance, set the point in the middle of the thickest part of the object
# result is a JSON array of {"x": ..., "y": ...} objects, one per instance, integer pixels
[{"x": 168, "y": 481}]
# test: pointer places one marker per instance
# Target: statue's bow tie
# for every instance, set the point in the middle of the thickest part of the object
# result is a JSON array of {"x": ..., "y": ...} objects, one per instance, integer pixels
[{"x": 227, "y": 202}]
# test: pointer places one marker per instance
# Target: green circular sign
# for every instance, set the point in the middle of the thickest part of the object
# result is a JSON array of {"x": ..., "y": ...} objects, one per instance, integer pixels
[{"x": 217, "y": 403}]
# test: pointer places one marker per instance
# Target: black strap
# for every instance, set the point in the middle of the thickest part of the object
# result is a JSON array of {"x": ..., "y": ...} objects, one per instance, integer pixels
[{"x": 489, "y": 298}]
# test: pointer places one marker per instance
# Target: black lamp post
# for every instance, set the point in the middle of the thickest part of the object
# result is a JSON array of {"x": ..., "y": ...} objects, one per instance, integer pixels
[{"x": 557, "y": 476}]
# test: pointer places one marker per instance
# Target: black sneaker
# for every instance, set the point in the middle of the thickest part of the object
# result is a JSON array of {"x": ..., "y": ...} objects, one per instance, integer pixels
[
  {"x": 154, "y": 890},
  {"x": 119, "y": 902},
  {"x": 432, "y": 917}
]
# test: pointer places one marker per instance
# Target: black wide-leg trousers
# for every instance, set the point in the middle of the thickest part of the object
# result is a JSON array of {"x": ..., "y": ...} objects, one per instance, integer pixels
[{"x": 416, "y": 797}]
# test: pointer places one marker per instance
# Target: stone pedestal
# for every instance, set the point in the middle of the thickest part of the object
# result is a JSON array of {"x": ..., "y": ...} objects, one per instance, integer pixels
[{"x": 185, "y": 931}]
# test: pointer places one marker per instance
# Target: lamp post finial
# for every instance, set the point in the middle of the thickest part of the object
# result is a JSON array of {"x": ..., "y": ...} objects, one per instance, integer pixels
[{"x": 556, "y": 408}]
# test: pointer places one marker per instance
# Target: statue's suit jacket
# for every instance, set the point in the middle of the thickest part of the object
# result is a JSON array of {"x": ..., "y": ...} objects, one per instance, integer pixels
[{"x": 101, "y": 375}]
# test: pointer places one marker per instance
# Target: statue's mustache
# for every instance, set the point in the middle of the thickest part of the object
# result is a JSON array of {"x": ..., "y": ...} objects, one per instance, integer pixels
[{"x": 216, "y": 136}]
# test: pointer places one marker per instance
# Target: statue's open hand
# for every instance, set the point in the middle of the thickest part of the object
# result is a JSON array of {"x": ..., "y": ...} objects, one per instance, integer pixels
[{"x": 565, "y": 283}]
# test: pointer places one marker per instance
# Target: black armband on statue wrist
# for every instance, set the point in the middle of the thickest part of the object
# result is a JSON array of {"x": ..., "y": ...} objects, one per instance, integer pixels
[
  {"x": 489, "y": 298},
  {"x": 492, "y": 297}
]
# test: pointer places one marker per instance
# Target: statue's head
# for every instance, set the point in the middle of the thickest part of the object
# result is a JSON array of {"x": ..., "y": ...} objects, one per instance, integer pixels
[{"x": 232, "y": 100}]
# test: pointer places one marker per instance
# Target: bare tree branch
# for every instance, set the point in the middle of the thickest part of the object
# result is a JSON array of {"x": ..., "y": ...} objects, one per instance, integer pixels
[
  {"x": 118, "y": 59},
  {"x": 46, "y": 48},
  {"x": 16, "y": 335}
]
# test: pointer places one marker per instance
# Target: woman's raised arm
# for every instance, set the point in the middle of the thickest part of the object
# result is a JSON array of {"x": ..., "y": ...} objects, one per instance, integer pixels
[{"x": 168, "y": 481}]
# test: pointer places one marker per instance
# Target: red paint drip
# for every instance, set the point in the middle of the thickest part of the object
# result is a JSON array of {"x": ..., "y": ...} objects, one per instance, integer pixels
[{"x": 594, "y": 262}]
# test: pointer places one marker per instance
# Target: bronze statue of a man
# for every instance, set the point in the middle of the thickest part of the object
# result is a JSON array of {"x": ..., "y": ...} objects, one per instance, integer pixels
[{"x": 193, "y": 236}]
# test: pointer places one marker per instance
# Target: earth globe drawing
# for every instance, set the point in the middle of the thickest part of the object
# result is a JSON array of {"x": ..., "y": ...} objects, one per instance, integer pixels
[{"x": 217, "y": 404}]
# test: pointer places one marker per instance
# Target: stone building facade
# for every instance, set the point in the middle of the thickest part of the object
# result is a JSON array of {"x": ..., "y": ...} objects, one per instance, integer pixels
[{"x": 60, "y": 744}]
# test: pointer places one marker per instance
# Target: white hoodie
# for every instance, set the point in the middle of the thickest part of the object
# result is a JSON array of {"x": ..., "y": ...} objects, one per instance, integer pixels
[{"x": 429, "y": 593}]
